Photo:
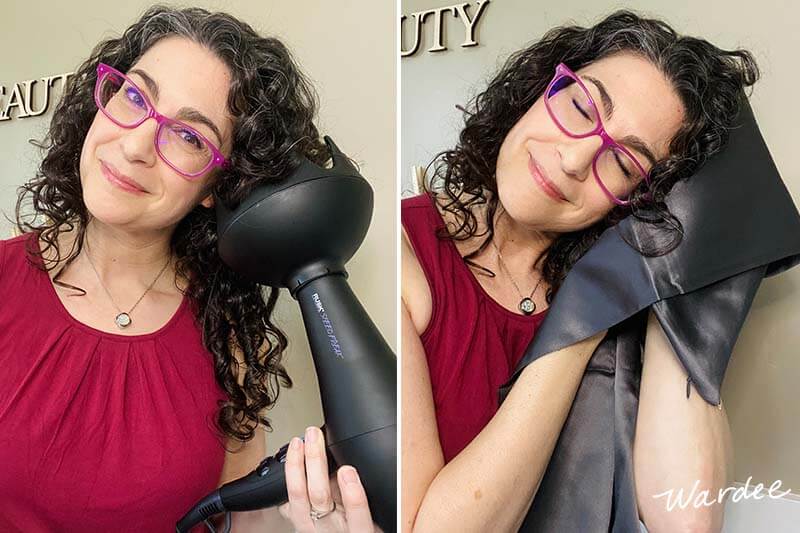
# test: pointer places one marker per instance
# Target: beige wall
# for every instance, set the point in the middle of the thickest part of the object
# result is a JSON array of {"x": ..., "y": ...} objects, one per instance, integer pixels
[
  {"x": 760, "y": 390},
  {"x": 347, "y": 49}
]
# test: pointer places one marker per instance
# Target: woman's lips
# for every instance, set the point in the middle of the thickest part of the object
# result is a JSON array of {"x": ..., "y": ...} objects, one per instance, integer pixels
[
  {"x": 120, "y": 181},
  {"x": 547, "y": 186}
]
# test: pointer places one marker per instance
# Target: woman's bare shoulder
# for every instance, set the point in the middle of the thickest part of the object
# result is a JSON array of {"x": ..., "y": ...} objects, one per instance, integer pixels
[
  {"x": 414, "y": 288},
  {"x": 416, "y": 292}
]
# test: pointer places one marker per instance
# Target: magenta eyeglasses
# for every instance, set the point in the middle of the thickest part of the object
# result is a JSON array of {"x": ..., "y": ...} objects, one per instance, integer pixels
[
  {"x": 180, "y": 146},
  {"x": 573, "y": 110}
]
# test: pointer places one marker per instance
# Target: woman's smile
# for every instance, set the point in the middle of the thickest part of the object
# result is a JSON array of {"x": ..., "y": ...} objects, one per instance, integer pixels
[
  {"x": 539, "y": 176},
  {"x": 122, "y": 182}
]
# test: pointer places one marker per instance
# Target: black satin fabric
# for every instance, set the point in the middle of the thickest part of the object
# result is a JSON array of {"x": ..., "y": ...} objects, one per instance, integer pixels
[{"x": 740, "y": 225}]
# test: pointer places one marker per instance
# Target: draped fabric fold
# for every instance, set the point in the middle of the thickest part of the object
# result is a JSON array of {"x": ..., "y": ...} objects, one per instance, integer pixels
[{"x": 740, "y": 225}]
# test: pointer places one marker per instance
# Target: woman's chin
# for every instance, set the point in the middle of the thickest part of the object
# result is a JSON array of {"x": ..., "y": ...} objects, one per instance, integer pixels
[
  {"x": 527, "y": 209},
  {"x": 107, "y": 209}
]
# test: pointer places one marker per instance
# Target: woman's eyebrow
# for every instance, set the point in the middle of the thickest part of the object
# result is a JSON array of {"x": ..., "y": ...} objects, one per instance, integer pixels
[
  {"x": 185, "y": 113},
  {"x": 608, "y": 106},
  {"x": 638, "y": 144}
]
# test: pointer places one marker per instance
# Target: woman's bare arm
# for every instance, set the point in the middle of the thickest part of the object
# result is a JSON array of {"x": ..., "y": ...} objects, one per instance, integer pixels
[
  {"x": 489, "y": 485},
  {"x": 680, "y": 443}
]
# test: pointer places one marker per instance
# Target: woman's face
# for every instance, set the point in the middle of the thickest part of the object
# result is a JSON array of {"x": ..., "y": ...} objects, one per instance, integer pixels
[
  {"x": 644, "y": 105},
  {"x": 187, "y": 76}
]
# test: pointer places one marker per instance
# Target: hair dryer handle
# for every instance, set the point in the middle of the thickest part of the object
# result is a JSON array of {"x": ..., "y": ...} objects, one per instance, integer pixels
[{"x": 263, "y": 487}]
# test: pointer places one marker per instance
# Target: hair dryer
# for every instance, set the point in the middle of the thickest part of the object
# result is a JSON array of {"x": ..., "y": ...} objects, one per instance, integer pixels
[{"x": 298, "y": 234}]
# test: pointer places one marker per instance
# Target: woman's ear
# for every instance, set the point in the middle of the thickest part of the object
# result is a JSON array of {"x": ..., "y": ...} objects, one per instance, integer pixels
[{"x": 208, "y": 201}]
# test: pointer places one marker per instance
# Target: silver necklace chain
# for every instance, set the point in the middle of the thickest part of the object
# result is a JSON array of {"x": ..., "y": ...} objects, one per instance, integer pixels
[
  {"x": 123, "y": 318},
  {"x": 526, "y": 303}
]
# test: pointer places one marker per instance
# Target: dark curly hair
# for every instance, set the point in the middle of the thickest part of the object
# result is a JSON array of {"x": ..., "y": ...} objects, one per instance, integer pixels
[
  {"x": 273, "y": 107},
  {"x": 709, "y": 81}
]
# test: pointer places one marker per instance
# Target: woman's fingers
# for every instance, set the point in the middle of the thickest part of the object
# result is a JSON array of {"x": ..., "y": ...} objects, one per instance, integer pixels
[
  {"x": 309, "y": 487},
  {"x": 354, "y": 499},
  {"x": 319, "y": 485},
  {"x": 319, "y": 490},
  {"x": 295, "y": 471}
]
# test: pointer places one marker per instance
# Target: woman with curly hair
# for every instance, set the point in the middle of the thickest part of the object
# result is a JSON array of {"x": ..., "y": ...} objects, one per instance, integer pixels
[
  {"x": 129, "y": 350},
  {"x": 577, "y": 131}
]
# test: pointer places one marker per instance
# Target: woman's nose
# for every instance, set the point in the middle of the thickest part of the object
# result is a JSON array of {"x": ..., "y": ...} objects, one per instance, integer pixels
[
  {"x": 577, "y": 155},
  {"x": 138, "y": 144}
]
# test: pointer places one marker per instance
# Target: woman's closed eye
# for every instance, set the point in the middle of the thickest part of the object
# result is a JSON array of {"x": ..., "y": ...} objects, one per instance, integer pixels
[
  {"x": 582, "y": 111},
  {"x": 625, "y": 165},
  {"x": 627, "y": 173}
]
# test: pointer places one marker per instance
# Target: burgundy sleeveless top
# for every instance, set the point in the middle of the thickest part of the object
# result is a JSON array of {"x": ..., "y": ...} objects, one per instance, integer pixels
[
  {"x": 98, "y": 431},
  {"x": 472, "y": 343}
]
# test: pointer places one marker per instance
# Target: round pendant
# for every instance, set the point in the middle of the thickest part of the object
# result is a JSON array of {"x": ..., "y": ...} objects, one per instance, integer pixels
[
  {"x": 123, "y": 320},
  {"x": 527, "y": 306}
]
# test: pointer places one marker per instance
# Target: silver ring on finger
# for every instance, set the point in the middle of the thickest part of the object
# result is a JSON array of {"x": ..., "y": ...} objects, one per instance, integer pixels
[{"x": 316, "y": 515}]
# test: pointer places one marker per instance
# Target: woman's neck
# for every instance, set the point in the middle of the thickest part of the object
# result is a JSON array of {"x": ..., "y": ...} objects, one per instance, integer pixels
[
  {"x": 519, "y": 245},
  {"x": 123, "y": 258}
]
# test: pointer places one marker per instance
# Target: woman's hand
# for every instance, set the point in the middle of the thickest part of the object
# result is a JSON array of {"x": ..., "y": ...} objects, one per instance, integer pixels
[{"x": 312, "y": 493}]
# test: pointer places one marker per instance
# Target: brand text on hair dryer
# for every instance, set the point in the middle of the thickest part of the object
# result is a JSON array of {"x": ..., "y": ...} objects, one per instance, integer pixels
[{"x": 328, "y": 327}]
